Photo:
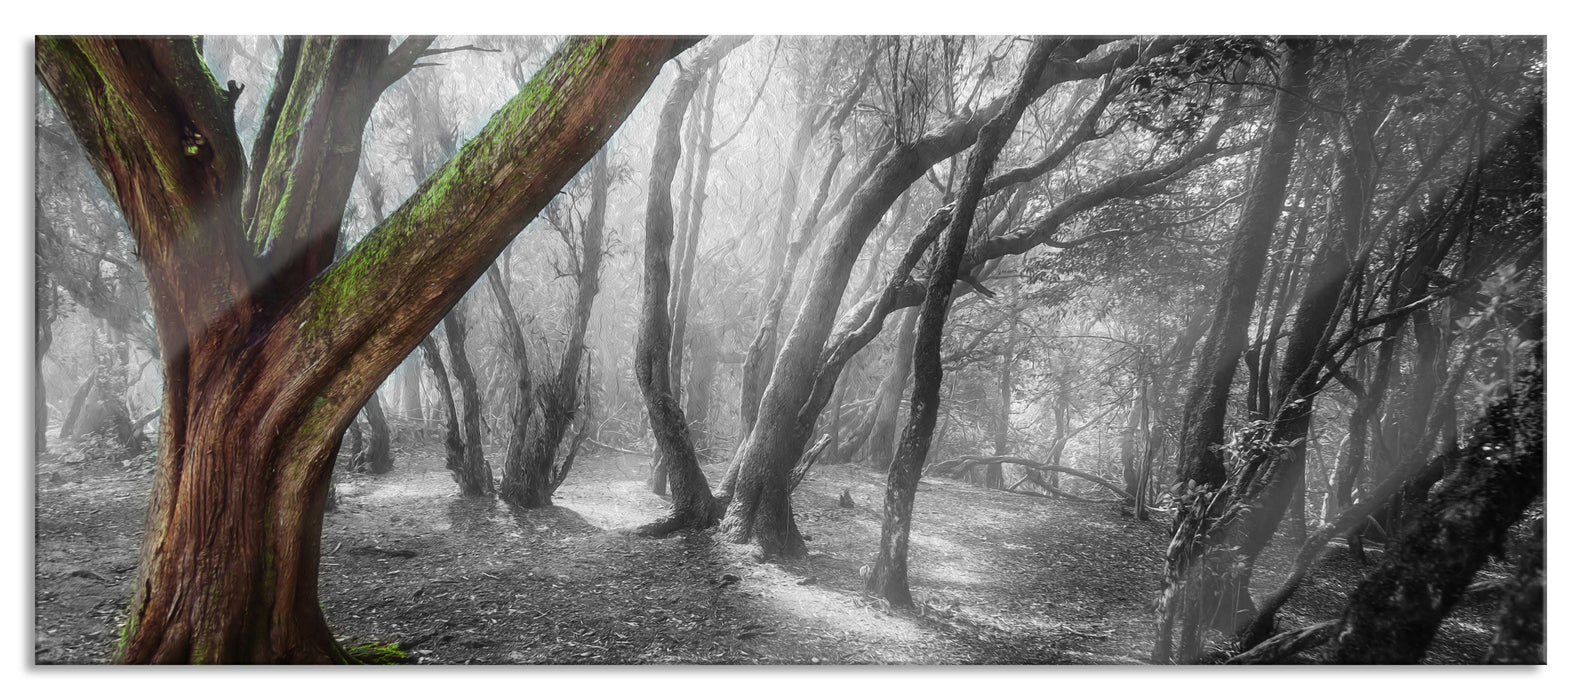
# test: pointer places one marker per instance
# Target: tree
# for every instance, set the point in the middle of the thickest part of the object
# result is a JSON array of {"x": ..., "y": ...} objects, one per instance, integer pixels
[
  {"x": 533, "y": 468},
  {"x": 760, "y": 508},
  {"x": 691, "y": 502},
  {"x": 269, "y": 346},
  {"x": 887, "y": 577}
]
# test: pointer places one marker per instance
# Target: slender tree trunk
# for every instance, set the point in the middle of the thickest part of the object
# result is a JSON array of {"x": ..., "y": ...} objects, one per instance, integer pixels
[
  {"x": 455, "y": 452},
  {"x": 785, "y": 256},
  {"x": 760, "y": 508},
  {"x": 519, "y": 485},
  {"x": 1188, "y": 593},
  {"x": 412, "y": 388},
  {"x": 377, "y": 459},
  {"x": 887, "y": 577},
  {"x": 68, "y": 425},
  {"x": 1249, "y": 247},
  {"x": 692, "y": 504},
  {"x": 993, "y": 474},
  {"x": 881, "y": 442},
  {"x": 700, "y": 387},
  {"x": 475, "y": 477},
  {"x": 692, "y": 227},
  {"x": 44, "y": 304},
  {"x": 558, "y": 398}
]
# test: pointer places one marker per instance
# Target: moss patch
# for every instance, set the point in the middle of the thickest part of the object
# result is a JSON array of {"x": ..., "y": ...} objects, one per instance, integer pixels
[{"x": 377, "y": 654}]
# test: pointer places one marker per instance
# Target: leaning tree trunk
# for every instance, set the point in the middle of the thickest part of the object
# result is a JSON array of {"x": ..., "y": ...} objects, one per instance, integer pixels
[
  {"x": 1201, "y": 467},
  {"x": 1394, "y": 613},
  {"x": 887, "y": 577},
  {"x": 691, "y": 503},
  {"x": 474, "y": 476},
  {"x": 455, "y": 453},
  {"x": 1204, "y": 425},
  {"x": 269, "y": 345}
]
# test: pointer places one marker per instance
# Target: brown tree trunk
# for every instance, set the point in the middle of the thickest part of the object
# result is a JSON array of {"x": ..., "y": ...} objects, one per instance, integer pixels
[
  {"x": 888, "y": 576},
  {"x": 269, "y": 345}
]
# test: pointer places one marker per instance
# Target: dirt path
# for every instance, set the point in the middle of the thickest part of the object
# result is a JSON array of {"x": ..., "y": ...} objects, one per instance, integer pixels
[{"x": 999, "y": 578}]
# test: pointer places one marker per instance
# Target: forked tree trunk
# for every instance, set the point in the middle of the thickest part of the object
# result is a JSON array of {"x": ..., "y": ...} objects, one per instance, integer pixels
[
  {"x": 802, "y": 379},
  {"x": 270, "y": 346},
  {"x": 558, "y": 399},
  {"x": 887, "y": 577},
  {"x": 691, "y": 504},
  {"x": 519, "y": 485},
  {"x": 474, "y": 476}
]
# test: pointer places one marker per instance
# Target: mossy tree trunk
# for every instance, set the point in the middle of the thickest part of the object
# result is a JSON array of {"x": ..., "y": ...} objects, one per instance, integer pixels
[
  {"x": 270, "y": 347},
  {"x": 1394, "y": 613}
]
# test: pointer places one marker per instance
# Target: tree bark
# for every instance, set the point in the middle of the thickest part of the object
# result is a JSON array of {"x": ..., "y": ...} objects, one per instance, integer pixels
[
  {"x": 519, "y": 485},
  {"x": 1188, "y": 590},
  {"x": 558, "y": 398}
]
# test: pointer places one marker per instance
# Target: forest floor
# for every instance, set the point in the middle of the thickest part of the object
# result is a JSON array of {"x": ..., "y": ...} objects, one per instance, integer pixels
[{"x": 999, "y": 578}]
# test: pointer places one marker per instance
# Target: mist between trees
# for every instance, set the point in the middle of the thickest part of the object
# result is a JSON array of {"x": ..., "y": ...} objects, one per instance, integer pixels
[{"x": 1258, "y": 293}]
